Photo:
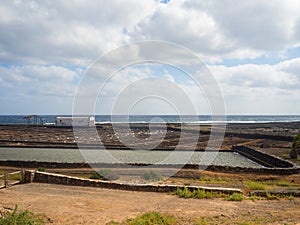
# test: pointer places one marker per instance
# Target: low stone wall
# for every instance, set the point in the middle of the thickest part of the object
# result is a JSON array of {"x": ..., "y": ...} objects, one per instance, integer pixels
[
  {"x": 43, "y": 177},
  {"x": 229, "y": 169},
  {"x": 294, "y": 193},
  {"x": 262, "y": 157}
]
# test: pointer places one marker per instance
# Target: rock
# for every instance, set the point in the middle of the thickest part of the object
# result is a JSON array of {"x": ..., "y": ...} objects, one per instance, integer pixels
[
  {"x": 265, "y": 145},
  {"x": 293, "y": 154}
]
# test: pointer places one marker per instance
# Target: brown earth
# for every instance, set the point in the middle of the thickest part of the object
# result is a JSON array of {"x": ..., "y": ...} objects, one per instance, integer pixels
[
  {"x": 65, "y": 205},
  {"x": 83, "y": 205}
]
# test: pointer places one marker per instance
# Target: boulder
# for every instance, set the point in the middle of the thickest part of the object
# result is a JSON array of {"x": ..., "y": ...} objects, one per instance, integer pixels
[{"x": 293, "y": 154}]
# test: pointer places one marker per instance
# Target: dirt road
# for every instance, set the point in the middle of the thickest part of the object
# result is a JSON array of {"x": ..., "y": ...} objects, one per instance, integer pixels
[{"x": 83, "y": 205}]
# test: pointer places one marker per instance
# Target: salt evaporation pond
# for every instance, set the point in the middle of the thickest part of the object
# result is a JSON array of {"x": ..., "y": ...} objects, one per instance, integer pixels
[{"x": 124, "y": 156}]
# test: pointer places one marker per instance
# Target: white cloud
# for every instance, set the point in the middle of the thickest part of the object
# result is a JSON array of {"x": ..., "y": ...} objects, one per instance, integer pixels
[
  {"x": 43, "y": 43},
  {"x": 266, "y": 89},
  {"x": 38, "y": 80},
  {"x": 63, "y": 32},
  {"x": 232, "y": 29}
]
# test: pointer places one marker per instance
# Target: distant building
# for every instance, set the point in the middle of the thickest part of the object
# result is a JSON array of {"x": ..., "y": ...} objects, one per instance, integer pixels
[{"x": 82, "y": 121}]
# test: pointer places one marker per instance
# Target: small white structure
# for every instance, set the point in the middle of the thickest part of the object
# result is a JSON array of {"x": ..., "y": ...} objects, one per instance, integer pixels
[{"x": 80, "y": 121}]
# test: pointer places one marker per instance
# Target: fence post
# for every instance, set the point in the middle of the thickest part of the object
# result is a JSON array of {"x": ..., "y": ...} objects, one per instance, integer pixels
[
  {"x": 5, "y": 180},
  {"x": 23, "y": 177}
]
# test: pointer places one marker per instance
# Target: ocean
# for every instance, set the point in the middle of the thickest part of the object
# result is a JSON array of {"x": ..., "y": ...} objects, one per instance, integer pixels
[{"x": 201, "y": 119}]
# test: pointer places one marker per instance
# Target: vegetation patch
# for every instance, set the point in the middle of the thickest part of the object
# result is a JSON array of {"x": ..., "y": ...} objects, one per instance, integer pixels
[
  {"x": 235, "y": 197},
  {"x": 245, "y": 219},
  {"x": 20, "y": 218},
  {"x": 271, "y": 196},
  {"x": 255, "y": 198},
  {"x": 213, "y": 180},
  {"x": 152, "y": 176},
  {"x": 283, "y": 184},
  {"x": 150, "y": 218},
  {"x": 17, "y": 176},
  {"x": 104, "y": 175},
  {"x": 199, "y": 193},
  {"x": 41, "y": 169},
  {"x": 254, "y": 185}
]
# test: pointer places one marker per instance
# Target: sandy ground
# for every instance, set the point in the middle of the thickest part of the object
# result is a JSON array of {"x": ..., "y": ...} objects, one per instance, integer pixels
[{"x": 65, "y": 205}]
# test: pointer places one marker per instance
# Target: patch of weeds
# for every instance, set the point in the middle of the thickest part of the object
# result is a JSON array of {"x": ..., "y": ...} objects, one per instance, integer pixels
[
  {"x": 253, "y": 185},
  {"x": 235, "y": 197},
  {"x": 289, "y": 197},
  {"x": 20, "y": 218},
  {"x": 256, "y": 221},
  {"x": 283, "y": 184},
  {"x": 217, "y": 216},
  {"x": 150, "y": 218},
  {"x": 285, "y": 156},
  {"x": 272, "y": 197},
  {"x": 199, "y": 193},
  {"x": 203, "y": 194},
  {"x": 203, "y": 221},
  {"x": 17, "y": 176},
  {"x": 41, "y": 169},
  {"x": 255, "y": 198},
  {"x": 183, "y": 193},
  {"x": 104, "y": 175},
  {"x": 151, "y": 176},
  {"x": 212, "y": 180},
  {"x": 241, "y": 220}
]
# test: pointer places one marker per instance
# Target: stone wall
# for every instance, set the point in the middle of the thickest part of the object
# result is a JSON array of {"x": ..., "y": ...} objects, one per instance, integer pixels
[
  {"x": 262, "y": 157},
  {"x": 267, "y": 170},
  {"x": 43, "y": 177}
]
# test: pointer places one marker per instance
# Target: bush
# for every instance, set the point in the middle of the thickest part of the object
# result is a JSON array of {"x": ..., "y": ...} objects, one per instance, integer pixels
[
  {"x": 235, "y": 197},
  {"x": 199, "y": 194},
  {"x": 150, "y": 218},
  {"x": 184, "y": 193},
  {"x": 151, "y": 176},
  {"x": 203, "y": 194},
  {"x": 41, "y": 169},
  {"x": 253, "y": 185},
  {"x": 104, "y": 175},
  {"x": 20, "y": 218},
  {"x": 283, "y": 184},
  {"x": 272, "y": 197}
]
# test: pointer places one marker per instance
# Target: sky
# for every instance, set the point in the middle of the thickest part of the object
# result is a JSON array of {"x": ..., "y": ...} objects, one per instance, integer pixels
[{"x": 251, "y": 48}]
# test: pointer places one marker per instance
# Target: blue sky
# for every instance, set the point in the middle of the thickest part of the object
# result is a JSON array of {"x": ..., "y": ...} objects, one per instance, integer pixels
[{"x": 251, "y": 47}]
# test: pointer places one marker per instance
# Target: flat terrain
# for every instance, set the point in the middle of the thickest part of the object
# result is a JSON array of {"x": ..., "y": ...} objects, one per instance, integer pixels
[
  {"x": 65, "y": 205},
  {"x": 141, "y": 136},
  {"x": 83, "y": 205}
]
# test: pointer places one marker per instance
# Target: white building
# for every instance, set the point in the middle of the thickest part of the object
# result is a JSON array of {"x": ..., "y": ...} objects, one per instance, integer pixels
[{"x": 78, "y": 121}]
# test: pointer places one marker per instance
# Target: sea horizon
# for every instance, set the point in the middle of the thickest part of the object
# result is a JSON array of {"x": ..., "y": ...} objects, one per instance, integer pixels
[{"x": 156, "y": 118}]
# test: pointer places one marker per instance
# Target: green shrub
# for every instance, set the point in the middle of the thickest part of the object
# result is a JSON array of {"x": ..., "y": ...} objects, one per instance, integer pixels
[
  {"x": 150, "y": 218},
  {"x": 253, "y": 185},
  {"x": 199, "y": 194},
  {"x": 272, "y": 197},
  {"x": 235, "y": 197},
  {"x": 20, "y": 218},
  {"x": 151, "y": 176},
  {"x": 283, "y": 184},
  {"x": 41, "y": 169},
  {"x": 255, "y": 198},
  {"x": 184, "y": 193},
  {"x": 104, "y": 175},
  {"x": 213, "y": 180}
]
